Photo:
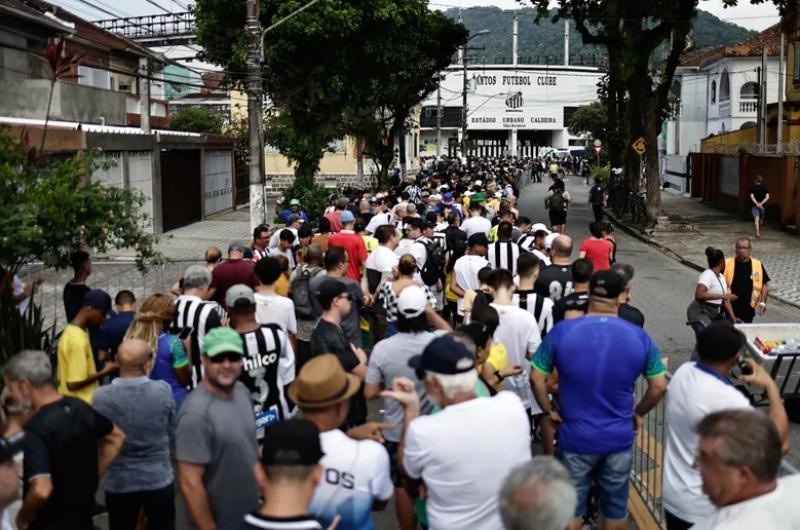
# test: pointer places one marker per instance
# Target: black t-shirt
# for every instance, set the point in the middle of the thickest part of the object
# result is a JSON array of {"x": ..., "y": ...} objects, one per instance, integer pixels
[
  {"x": 555, "y": 281},
  {"x": 631, "y": 314},
  {"x": 571, "y": 302},
  {"x": 329, "y": 338},
  {"x": 742, "y": 286},
  {"x": 61, "y": 441},
  {"x": 759, "y": 191},
  {"x": 596, "y": 194},
  {"x": 256, "y": 521},
  {"x": 73, "y": 298}
]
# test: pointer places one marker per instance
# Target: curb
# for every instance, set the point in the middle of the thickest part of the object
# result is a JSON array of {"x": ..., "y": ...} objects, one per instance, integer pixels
[{"x": 644, "y": 238}]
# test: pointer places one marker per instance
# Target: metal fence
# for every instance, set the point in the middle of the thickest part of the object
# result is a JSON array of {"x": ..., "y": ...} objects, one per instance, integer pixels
[
  {"x": 648, "y": 458},
  {"x": 111, "y": 276}
]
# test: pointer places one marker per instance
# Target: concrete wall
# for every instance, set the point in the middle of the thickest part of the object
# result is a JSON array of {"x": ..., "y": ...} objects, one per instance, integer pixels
[
  {"x": 71, "y": 102},
  {"x": 729, "y": 143}
]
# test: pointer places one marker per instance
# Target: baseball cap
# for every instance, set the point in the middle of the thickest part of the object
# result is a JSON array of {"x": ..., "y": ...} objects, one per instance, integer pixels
[
  {"x": 444, "y": 355},
  {"x": 478, "y": 197},
  {"x": 222, "y": 340},
  {"x": 447, "y": 198},
  {"x": 479, "y": 183},
  {"x": 329, "y": 289},
  {"x": 347, "y": 216},
  {"x": 413, "y": 222},
  {"x": 478, "y": 239},
  {"x": 539, "y": 226},
  {"x": 412, "y": 301},
  {"x": 498, "y": 194},
  {"x": 292, "y": 218},
  {"x": 291, "y": 443},
  {"x": 294, "y": 202},
  {"x": 606, "y": 284},
  {"x": 98, "y": 299},
  {"x": 239, "y": 295},
  {"x": 235, "y": 246}
]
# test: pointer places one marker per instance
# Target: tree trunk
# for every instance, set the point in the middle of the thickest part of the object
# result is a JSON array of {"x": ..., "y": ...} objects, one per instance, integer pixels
[
  {"x": 652, "y": 176},
  {"x": 359, "y": 161}
]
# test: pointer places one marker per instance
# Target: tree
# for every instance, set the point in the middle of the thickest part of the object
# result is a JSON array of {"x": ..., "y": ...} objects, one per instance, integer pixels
[
  {"x": 340, "y": 67},
  {"x": 196, "y": 119},
  {"x": 592, "y": 119},
  {"x": 50, "y": 212}
]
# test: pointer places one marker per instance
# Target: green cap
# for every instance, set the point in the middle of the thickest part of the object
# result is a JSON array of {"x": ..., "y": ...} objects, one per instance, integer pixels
[
  {"x": 477, "y": 197},
  {"x": 222, "y": 340}
]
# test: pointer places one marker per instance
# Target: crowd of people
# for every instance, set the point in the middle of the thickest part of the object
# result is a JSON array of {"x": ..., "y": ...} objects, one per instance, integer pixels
[{"x": 242, "y": 396}]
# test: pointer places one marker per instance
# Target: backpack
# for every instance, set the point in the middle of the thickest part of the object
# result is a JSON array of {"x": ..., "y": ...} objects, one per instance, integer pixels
[
  {"x": 300, "y": 293},
  {"x": 434, "y": 263},
  {"x": 557, "y": 202}
]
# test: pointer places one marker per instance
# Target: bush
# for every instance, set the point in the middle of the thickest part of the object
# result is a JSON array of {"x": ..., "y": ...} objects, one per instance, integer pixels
[
  {"x": 196, "y": 119},
  {"x": 312, "y": 197},
  {"x": 603, "y": 173}
]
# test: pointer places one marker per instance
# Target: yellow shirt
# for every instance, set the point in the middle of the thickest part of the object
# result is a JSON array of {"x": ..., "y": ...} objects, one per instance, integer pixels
[
  {"x": 75, "y": 362},
  {"x": 282, "y": 286},
  {"x": 498, "y": 360}
]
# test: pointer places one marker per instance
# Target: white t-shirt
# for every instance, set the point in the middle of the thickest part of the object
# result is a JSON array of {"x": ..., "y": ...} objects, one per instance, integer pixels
[
  {"x": 692, "y": 394},
  {"x": 377, "y": 220},
  {"x": 276, "y": 237},
  {"x": 288, "y": 253},
  {"x": 715, "y": 283},
  {"x": 466, "y": 270},
  {"x": 356, "y": 473},
  {"x": 519, "y": 333},
  {"x": 403, "y": 247},
  {"x": 777, "y": 510},
  {"x": 274, "y": 309},
  {"x": 474, "y": 225},
  {"x": 463, "y": 454},
  {"x": 383, "y": 260}
]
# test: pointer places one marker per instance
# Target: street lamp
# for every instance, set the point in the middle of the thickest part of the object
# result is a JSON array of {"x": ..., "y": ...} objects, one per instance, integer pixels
[{"x": 464, "y": 92}]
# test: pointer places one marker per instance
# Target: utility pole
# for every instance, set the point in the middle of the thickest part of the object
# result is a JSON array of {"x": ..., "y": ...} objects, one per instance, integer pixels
[
  {"x": 144, "y": 94},
  {"x": 759, "y": 80},
  {"x": 255, "y": 161},
  {"x": 763, "y": 99},
  {"x": 779, "y": 136},
  {"x": 566, "y": 42},
  {"x": 439, "y": 120},
  {"x": 464, "y": 106}
]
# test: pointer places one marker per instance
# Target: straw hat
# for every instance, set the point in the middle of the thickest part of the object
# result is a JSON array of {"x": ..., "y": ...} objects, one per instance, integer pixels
[{"x": 322, "y": 382}]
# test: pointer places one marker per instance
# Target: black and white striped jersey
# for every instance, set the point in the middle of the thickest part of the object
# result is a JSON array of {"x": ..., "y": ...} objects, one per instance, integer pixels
[
  {"x": 200, "y": 315},
  {"x": 525, "y": 242},
  {"x": 503, "y": 255},
  {"x": 267, "y": 367},
  {"x": 540, "y": 307}
]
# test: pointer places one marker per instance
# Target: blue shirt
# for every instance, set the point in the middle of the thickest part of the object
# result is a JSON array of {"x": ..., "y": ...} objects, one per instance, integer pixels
[
  {"x": 284, "y": 215},
  {"x": 143, "y": 409},
  {"x": 598, "y": 360},
  {"x": 114, "y": 329}
]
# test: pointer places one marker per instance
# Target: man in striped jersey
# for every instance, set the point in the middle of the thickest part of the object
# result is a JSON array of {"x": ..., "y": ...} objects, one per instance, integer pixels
[
  {"x": 192, "y": 310},
  {"x": 268, "y": 361},
  {"x": 541, "y": 307},
  {"x": 504, "y": 253}
]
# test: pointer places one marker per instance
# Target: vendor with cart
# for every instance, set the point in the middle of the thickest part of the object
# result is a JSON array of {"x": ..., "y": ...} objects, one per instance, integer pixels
[{"x": 747, "y": 279}]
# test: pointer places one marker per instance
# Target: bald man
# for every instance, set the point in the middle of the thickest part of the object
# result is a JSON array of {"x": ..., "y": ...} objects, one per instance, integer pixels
[
  {"x": 555, "y": 281},
  {"x": 141, "y": 477}
]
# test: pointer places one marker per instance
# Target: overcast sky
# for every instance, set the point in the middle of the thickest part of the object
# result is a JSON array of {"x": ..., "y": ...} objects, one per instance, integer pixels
[{"x": 753, "y": 17}]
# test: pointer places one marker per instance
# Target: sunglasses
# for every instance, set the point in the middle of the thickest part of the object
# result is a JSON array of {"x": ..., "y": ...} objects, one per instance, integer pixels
[{"x": 230, "y": 356}]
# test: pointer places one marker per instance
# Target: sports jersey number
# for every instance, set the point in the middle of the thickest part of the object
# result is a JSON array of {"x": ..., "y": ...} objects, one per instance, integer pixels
[
  {"x": 557, "y": 292},
  {"x": 334, "y": 477}
]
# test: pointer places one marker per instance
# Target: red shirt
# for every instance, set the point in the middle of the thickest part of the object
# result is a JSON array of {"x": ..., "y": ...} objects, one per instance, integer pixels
[
  {"x": 598, "y": 251},
  {"x": 356, "y": 251},
  {"x": 335, "y": 217},
  {"x": 229, "y": 273}
]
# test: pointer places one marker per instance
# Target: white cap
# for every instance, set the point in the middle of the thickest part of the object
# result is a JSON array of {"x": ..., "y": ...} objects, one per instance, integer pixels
[
  {"x": 479, "y": 183},
  {"x": 548, "y": 241},
  {"x": 539, "y": 226},
  {"x": 412, "y": 301},
  {"x": 498, "y": 194}
]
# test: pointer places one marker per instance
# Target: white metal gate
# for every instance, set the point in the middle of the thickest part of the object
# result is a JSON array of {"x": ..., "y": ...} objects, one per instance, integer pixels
[{"x": 217, "y": 181}]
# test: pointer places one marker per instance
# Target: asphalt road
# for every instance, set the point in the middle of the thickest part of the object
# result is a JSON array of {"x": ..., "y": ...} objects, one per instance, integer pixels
[{"x": 663, "y": 287}]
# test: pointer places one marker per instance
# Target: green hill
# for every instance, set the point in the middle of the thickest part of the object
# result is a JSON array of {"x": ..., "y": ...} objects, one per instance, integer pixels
[{"x": 543, "y": 43}]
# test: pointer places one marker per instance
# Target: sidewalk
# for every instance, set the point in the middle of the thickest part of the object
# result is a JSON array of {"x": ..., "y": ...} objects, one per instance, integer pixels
[{"x": 694, "y": 225}]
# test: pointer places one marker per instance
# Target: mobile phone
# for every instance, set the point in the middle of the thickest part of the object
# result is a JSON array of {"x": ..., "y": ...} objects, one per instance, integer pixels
[
  {"x": 185, "y": 332},
  {"x": 745, "y": 367}
]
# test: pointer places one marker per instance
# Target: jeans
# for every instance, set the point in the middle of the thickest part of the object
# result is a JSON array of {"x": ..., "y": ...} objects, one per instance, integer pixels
[
  {"x": 676, "y": 523},
  {"x": 610, "y": 472},
  {"x": 597, "y": 209},
  {"x": 159, "y": 508}
]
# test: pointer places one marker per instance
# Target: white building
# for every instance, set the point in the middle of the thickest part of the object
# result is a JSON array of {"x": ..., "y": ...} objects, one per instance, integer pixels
[
  {"x": 510, "y": 109},
  {"x": 717, "y": 91}
]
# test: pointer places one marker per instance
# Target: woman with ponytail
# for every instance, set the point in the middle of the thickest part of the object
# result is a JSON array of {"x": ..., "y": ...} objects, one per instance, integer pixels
[
  {"x": 712, "y": 298},
  {"x": 171, "y": 363}
]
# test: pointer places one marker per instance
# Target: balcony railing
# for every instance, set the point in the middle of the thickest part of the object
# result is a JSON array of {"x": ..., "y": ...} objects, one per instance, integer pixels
[{"x": 748, "y": 106}]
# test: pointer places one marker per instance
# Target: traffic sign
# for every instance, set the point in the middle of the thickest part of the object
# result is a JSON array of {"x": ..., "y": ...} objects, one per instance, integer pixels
[
  {"x": 598, "y": 143},
  {"x": 597, "y": 149},
  {"x": 639, "y": 146}
]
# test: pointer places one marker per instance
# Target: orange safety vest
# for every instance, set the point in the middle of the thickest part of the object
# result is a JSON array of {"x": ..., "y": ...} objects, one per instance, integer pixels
[{"x": 757, "y": 276}]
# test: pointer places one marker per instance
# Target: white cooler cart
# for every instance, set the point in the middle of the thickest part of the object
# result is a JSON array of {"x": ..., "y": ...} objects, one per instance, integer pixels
[{"x": 783, "y": 367}]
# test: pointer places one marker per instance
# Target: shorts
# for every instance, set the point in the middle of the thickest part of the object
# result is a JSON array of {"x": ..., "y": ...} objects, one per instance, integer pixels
[
  {"x": 612, "y": 474},
  {"x": 394, "y": 472},
  {"x": 557, "y": 218},
  {"x": 757, "y": 212}
]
